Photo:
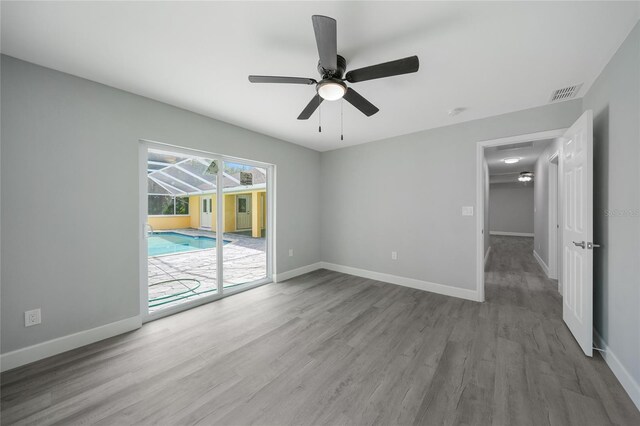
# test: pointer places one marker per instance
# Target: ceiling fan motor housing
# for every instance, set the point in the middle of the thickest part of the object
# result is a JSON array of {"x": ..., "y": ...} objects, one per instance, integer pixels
[{"x": 339, "y": 73}]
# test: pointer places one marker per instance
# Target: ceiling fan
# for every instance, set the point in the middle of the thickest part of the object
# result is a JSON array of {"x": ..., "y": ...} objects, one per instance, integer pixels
[{"x": 332, "y": 66}]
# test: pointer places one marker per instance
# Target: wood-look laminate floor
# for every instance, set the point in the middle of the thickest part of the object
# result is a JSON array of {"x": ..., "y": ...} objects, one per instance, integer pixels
[{"x": 329, "y": 348}]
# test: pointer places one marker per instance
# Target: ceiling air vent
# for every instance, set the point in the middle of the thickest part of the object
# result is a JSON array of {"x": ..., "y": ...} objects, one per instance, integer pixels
[{"x": 565, "y": 93}]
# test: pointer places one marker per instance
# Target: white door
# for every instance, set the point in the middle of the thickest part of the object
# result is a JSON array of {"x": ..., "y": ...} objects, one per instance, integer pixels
[
  {"x": 205, "y": 212},
  {"x": 243, "y": 215},
  {"x": 577, "y": 231}
]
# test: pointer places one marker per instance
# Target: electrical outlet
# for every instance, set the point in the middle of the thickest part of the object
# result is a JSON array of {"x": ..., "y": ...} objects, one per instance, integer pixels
[
  {"x": 32, "y": 317},
  {"x": 394, "y": 255},
  {"x": 290, "y": 252}
]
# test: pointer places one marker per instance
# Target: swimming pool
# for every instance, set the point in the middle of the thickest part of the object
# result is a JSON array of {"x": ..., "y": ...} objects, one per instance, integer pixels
[{"x": 172, "y": 242}]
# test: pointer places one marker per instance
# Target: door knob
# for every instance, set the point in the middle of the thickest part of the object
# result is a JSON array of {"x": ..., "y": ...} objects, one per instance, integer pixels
[{"x": 580, "y": 244}]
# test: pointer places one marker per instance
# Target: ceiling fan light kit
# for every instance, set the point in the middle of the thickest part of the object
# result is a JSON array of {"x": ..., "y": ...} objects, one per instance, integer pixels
[
  {"x": 331, "y": 89},
  {"x": 525, "y": 177},
  {"x": 332, "y": 67}
]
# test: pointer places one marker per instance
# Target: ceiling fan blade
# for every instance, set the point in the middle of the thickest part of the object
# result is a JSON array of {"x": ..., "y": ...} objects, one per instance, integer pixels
[
  {"x": 387, "y": 69},
  {"x": 355, "y": 99},
  {"x": 275, "y": 79},
  {"x": 326, "y": 38},
  {"x": 310, "y": 108}
]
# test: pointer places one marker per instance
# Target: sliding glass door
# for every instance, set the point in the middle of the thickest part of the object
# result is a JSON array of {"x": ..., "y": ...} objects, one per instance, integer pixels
[
  {"x": 245, "y": 221},
  {"x": 192, "y": 251}
]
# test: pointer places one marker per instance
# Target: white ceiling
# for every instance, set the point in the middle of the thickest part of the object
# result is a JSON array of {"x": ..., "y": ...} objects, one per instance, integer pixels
[
  {"x": 491, "y": 58},
  {"x": 527, "y": 152}
]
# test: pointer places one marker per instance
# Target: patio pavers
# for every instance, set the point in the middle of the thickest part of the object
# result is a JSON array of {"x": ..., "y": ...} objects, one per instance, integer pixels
[{"x": 245, "y": 261}]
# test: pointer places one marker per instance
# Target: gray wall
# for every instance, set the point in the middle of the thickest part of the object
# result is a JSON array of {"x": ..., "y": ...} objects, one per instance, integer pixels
[
  {"x": 70, "y": 196},
  {"x": 511, "y": 208},
  {"x": 406, "y": 193},
  {"x": 615, "y": 101}
]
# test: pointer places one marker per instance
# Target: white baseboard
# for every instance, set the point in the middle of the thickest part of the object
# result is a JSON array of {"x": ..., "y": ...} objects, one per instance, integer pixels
[
  {"x": 626, "y": 380},
  {"x": 543, "y": 265},
  {"x": 447, "y": 290},
  {"x": 511, "y": 234},
  {"x": 486, "y": 256},
  {"x": 49, "y": 348},
  {"x": 277, "y": 278}
]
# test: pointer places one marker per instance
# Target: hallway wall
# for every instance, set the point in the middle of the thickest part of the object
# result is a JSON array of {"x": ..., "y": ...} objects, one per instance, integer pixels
[{"x": 511, "y": 208}]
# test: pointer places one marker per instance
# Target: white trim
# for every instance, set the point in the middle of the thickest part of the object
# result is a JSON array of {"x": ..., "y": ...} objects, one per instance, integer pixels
[
  {"x": 447, "y": 290},
  {"x": 271, "y": 221},
  {"x": 62, "y": 344},
  {"x": 480, "y": 146},
  {"x": 543, "y": 265},
  {"x": 554, "y": 194},
  {"x": 512, "y": 234},
  {"x": 486, "y": 256},
  {"x": 622, "y": 374},
  {"x": 278, "y": 278},
  {"x": 220, "y": 224},
  {"x": 143, "y": 236}
]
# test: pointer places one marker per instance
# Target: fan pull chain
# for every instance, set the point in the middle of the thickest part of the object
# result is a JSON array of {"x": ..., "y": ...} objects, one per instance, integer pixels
[
  {"x": 319, "y": 115},
  {"x": 341, "y": 119}
]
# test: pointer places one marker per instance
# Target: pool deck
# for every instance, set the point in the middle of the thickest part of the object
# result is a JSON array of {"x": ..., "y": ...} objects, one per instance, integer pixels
[{"x": 245, "y": 261}]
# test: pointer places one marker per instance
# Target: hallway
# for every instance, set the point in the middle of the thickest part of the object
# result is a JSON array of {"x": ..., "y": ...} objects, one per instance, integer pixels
[{"x": 540, "y": 368}]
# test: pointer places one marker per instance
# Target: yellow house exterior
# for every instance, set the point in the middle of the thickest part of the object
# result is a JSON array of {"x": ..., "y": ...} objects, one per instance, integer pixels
[{"x": 192, "y": 220}]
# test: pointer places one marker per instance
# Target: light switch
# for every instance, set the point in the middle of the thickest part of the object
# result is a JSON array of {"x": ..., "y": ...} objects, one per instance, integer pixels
[{"x": 467, "y": 210}]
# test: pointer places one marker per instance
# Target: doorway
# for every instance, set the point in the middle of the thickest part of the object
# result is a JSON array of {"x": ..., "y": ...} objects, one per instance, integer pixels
[
  {"x": 574, "y": 186},
  {"x": 503, "y": 149},
  {"x": 243, "y": 212},
  {"x": 206, "y": 212},
  {"x": 514, "y": 213},
  {"x": 190, "y": 250}
]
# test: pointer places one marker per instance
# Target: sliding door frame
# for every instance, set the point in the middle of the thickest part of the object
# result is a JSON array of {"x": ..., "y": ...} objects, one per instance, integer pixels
[{"x": 144, "y": 146}]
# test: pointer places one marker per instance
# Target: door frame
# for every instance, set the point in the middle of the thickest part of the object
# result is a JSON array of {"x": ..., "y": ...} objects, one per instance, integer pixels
[
  {"x": 143, "y": 147},
  {"x": 202, "y": 198},
  {"x": 554, "y": 218},
  {"x": 480, "y": 146}
]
